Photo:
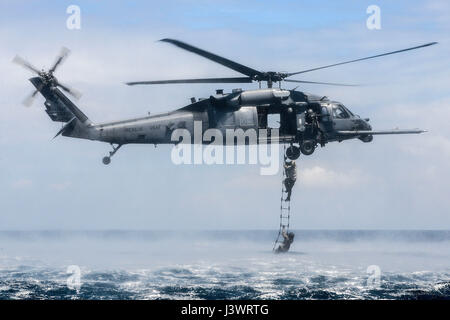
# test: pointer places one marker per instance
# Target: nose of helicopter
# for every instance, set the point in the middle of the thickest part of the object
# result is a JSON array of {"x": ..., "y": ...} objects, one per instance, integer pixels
[
  {"x": 361, "y": 124},
  {"x": 367, "y": 126}
]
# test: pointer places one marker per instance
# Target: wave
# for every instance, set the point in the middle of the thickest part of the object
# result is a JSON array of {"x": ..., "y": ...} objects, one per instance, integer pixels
[
  {"x": 188, "y": 284},
  {"x": 233, "y": 264}
]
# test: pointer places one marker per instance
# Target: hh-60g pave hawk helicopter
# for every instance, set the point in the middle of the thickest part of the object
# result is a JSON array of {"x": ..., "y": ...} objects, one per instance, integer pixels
[{"x": 306, "y": 120}]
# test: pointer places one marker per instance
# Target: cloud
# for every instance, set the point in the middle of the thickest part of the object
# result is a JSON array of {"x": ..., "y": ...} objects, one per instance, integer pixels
[
  {"x": 60, "y": 186},
  {"x": 22, "y": 184},
  {"x": 253, "y": 181},
  {"x": 430, "y": 145},
  {"x": 319, "y": 177}
]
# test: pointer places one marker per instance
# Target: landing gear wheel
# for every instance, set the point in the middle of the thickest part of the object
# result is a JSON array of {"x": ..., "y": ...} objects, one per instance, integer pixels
[
  {"x": 293, "y": 152},
  {"x": 107, "y": 160},
  {"x": 307, "y": 147}
]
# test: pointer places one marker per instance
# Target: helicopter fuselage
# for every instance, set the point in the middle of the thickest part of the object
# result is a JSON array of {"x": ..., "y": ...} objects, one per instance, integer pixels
[
  {"x": 305, "y": 120},
  {"x": 302, "y": 117}
]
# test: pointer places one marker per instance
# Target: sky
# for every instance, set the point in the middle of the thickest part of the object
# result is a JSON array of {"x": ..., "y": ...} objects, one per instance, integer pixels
[{"x": 395, "y": 182}]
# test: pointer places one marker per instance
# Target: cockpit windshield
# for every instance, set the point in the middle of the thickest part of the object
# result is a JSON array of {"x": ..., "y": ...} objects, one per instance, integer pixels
[
  {"x": 347, "y": 109},
  {"x": 340, "y": 112}
]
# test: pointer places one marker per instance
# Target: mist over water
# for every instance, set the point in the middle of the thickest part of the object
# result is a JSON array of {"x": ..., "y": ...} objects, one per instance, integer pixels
[{"x": 224, "y": 265}]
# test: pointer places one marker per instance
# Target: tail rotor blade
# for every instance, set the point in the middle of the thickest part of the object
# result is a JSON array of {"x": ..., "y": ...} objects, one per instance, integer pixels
[
  {"x": 30, "y": 99},
  {"x": 46, "y": 77},
  {"x": 22, "y": 62},
  {"x": 63, "y": 54},
  {"x": 76, "y": 94}
]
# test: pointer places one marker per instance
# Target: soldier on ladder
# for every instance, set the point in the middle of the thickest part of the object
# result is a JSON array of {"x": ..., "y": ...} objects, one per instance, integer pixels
[
  {"x": 290, "y": 170},
  {"x": 286, "y": 238}
]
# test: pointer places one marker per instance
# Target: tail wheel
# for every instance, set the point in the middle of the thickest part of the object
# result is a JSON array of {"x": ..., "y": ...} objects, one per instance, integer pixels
[
  {"x": 307, "y": 147},
  {"x": 106, "y": 160},
  {"x": 293, "y": 152}
]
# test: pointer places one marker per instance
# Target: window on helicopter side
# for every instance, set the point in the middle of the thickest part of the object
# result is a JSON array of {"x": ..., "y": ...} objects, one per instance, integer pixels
[
  {"x": 324, "y": 113},
  {"x": 339, "y": 112}
]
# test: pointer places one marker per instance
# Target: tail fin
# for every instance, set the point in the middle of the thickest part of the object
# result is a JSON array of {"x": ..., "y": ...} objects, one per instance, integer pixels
[{"x": 58, "y": 106}]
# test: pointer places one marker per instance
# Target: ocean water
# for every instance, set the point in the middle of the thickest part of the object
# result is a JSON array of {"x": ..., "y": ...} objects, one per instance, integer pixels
[{"x": 224, "y": 265}]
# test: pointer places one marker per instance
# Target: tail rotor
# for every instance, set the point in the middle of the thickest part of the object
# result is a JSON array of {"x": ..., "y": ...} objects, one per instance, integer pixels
[{"x": 47, "y": 77}]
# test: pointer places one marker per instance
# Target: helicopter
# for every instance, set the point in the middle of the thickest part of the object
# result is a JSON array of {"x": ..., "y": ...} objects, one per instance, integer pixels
[{"x": 306, "y": 120}]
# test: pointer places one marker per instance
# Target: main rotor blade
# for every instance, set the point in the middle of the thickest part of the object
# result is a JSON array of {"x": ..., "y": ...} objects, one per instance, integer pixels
[
  {"x": 76, "y": 94},
  {"x": 213, "y": 57},
  {"x": 64, "y": 53},
  {"x": 325, "y": 83},
  {"x": 22, "y": 62},
  {"x": 207, "y": 80},
  {"x": 366, "y": 58}
]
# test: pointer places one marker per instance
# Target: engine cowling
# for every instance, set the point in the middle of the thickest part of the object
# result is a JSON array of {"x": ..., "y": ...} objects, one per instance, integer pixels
[{"x": 261, "y": 97}]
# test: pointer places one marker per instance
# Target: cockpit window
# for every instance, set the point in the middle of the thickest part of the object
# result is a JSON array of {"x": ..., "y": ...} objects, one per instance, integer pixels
[
  {"x": 348, "y": 111},
  {"x": 339, "y": 112}
]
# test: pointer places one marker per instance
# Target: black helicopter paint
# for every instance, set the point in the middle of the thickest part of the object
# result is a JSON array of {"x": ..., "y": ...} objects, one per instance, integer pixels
[{"x": 306, "y": 120}]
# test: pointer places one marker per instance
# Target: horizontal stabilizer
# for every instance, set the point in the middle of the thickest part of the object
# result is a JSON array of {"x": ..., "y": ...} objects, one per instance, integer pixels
[{"x": 68, "y": 126}]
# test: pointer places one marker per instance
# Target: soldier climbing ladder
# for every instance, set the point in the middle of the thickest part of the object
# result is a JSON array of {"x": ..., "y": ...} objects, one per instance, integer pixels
[{"x": 285, "y": 238}]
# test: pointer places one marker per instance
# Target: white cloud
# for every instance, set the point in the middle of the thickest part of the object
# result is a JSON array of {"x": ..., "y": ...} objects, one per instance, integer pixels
[
  {"x": 253, "y": 181},
  {"x": 430, "y": 145},
  {"x": 60, "y": 186},
  {"x": 325, "y": 178},
  {"x": 22, "y": 184}
]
